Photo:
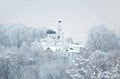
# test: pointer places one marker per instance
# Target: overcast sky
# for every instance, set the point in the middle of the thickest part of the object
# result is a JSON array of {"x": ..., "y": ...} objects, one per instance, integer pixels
[{"x": 77, "y": 15}]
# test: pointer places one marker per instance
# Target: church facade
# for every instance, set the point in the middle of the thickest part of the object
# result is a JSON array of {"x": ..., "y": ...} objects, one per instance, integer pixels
[
  {"x": 55, "y": 43},
  {"x": 55, "y": 39}
]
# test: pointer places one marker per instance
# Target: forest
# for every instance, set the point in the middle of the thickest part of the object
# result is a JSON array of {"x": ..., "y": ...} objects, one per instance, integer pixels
[{"x": 20, "y": 60}]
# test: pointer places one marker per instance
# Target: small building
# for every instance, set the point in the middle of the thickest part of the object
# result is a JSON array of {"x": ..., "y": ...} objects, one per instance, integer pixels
[{"x": 74, "y": 51}]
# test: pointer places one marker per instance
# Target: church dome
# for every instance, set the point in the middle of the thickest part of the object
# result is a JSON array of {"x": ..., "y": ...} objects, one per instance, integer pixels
[{"x": 50, "y": 31}]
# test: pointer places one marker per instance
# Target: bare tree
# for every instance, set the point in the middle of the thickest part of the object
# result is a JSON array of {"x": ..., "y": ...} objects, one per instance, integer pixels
[{"x": 101, "y": 38}]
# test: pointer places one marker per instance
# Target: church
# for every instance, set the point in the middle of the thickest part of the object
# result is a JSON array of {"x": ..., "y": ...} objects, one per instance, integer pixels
[
  {"x": 55, "y": 39},
  {"x": 56, "y": 34},
  {"x": 55, "y": 43}
]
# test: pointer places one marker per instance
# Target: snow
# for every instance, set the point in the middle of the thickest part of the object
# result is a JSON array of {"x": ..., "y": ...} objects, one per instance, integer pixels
[{"x": 23, "y": 55}]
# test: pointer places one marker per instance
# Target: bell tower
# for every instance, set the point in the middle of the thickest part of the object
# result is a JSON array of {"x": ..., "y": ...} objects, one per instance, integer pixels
[{"x": 60, "y": 33}]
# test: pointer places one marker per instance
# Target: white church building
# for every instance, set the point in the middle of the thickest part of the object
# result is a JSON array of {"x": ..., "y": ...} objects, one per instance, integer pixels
[{"x": 55, "y": 42}]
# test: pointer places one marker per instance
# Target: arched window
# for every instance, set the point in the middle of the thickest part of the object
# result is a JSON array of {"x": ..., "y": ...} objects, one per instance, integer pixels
[{"x": 58, "y": 37}]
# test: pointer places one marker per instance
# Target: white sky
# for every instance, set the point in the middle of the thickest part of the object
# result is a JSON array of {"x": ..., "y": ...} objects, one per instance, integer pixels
[{"x": 77, "y": 15}]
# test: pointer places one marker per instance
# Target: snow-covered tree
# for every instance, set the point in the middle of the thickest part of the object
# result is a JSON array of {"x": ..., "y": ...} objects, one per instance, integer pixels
[
  {"x": 16, "y": 34},
  {"x": 78, "y": 69},
  {"x": 101, "y": 38}
]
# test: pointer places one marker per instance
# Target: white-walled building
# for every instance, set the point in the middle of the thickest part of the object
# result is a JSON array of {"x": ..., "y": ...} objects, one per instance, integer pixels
[
  {"x": 55, "y": 43},
  {"x": 55, "y": 39},
  {"x": 75, "y": 50}
]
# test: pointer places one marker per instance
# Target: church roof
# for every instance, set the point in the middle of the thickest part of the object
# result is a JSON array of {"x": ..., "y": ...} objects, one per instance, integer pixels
[
  {"x": 52, "y": 48},
  {"x": 50, "y": 31}
]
